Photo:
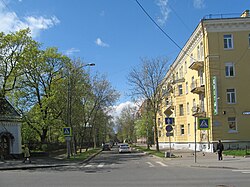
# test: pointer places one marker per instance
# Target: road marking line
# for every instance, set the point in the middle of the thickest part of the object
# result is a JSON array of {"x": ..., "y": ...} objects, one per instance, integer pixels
[
  {"x": 240, "y": 170},
  {"x": 162, "y": 164},
  {"x": 88, "y": 166},
  {"x": 100, "y": 165},
  {"x": 150, "y": 164}
]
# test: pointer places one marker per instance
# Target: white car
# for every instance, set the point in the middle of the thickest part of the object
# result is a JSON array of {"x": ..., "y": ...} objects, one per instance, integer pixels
[{"x": 124, "y": 148}]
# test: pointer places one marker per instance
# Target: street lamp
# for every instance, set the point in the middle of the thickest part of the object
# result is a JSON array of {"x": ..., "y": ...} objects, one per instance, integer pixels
[{"x": 69, "y": 111}]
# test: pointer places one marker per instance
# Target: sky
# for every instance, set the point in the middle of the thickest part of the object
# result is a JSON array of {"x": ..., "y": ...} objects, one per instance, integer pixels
[{"x": 113, "y": 34}]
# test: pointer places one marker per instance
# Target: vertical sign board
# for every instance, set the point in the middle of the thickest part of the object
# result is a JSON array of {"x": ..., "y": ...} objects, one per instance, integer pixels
[
  {"x": 203, "y": 123},
  {"x": 215, "y": 95},
  {"x": 169, "y": 121},
  {"x": 67, "y": 131}
]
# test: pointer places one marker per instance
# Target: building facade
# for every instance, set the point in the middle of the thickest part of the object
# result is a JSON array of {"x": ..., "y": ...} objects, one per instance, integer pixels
[
  {"x": 10, "y": 130},
  {"x": 208, "y": 84}
]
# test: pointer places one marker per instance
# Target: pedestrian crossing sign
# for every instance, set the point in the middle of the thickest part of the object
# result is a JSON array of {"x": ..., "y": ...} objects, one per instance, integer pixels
[
  {"x": 67, "y": 131},
  {"x": 204, "y": 123}
]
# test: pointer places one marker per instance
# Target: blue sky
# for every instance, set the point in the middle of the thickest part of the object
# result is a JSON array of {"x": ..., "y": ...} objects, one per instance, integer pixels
[{"x": 113, "y": 34}]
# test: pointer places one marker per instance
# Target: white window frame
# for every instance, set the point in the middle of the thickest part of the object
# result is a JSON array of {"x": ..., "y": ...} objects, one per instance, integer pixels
[
  {"x": 180, "y": 89},
  {"x": 228, "y": 67},
  {"x": 181, "y": 110},
  {"x": 228, "y": 41},
  {"x": 231, "y": 96},
  {"x": 182, "y": 130}
]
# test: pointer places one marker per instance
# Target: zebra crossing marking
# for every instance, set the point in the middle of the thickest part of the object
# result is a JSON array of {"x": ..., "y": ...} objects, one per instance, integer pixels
[
  {"x": 162, "y": 164},
  {"x": 150, "y": 164},
  {"x": 242, "y": 171}
]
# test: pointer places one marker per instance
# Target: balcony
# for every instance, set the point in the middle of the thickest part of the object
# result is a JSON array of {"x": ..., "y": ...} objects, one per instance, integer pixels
[
  {"x": 198, "y": 111},
  {"x": 169, "y": 108},
  {"x": 198, "y": 87},
  {"x": 196, "y": 65},
  {"x": 179, "y": 80}
]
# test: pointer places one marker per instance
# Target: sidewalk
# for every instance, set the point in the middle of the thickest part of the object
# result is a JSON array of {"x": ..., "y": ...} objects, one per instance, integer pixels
[
  {"x": 207, "y": 160},
  {"x": 41, "y": 162}
]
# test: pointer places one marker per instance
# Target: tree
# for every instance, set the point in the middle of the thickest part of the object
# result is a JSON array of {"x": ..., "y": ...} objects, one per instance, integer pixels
[
  {"x": 98, "y": 98},
  {"x": 37, "y": 89},
  {"x": 126, "y": 123},
  {"x": 14, "y": 50},
  {"x": 147, "y": 83}
]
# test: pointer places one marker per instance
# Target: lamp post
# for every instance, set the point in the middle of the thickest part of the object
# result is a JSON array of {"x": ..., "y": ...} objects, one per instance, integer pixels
[{"x": 69, "y": 97}]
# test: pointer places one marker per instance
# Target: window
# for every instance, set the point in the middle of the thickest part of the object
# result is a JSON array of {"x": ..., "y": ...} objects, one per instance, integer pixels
[
  {"x": 159, "y": 134},
  {"x": 182, "y": 129},
  {"x": 229, "y": 69},
  {"x": 189, "y": 129},
  {"x": 191, "y": 59},
  {"x": 201, "y": 51},
  {"x": 181, "y": 110},
  {"x": 181, "y": 72},
  {"x": 231, "y": 96},
  {"x": 228, "y": 41},
  {"x": 180, "y": 89},
  {"x": 232, "y": 124},
  {"x": 188, "y": 108},
  {"x": 198, "y": 53},
  {"x": 186, "y": 87},
  {"x": 185, "y": 66}
]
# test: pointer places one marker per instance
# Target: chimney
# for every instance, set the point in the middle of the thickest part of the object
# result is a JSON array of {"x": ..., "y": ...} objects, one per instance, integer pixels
[{"x": 245, "y": 14}]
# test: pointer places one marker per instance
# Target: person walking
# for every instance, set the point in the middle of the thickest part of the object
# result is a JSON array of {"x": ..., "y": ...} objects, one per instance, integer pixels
[
  {"x": 220, "y": 148},
  {"x": 26, "y": 154}
]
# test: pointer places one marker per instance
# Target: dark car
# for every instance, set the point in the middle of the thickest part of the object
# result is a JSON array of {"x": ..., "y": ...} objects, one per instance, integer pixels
[{"x": 106, "y": 147}]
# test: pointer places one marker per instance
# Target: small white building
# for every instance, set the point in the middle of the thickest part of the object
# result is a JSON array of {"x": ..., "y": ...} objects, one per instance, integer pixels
[{"x": 10, "y": 130}]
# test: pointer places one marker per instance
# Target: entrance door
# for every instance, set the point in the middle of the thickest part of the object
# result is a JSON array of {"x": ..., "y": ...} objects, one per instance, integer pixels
[{"x": 5, "y": 145}]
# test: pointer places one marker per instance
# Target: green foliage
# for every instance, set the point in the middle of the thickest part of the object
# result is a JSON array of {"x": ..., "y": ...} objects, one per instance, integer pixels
[
  {"x": 86, "y": 154},
  {"x": 236, "y": 152}
]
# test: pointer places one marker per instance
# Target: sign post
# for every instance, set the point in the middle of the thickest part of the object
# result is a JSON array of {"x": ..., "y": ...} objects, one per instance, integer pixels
[
  {"x": 67, "y": 132},
  {"x": 169, "y": 129}
]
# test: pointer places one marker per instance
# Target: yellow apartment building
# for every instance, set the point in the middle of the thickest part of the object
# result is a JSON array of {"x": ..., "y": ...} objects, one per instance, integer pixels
[{"x": 210, "y": 79}]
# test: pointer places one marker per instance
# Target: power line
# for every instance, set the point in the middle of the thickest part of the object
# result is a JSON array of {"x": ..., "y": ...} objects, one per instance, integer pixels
[{"x": 157, "y": 24}]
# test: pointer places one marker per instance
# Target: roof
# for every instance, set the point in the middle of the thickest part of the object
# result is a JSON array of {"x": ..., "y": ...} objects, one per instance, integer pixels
[{"x": 7, "y": 110}]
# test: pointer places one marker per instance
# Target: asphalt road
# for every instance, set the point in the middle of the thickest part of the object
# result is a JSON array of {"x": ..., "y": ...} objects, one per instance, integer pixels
[{"x": 110, "y": 169}]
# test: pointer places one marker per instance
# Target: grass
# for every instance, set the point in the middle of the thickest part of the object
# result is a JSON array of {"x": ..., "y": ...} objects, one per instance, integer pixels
[
  {"x": 150, "y": 151},
  {"x": 84, "y": 155},
  {"x": 236, "y": 152}
]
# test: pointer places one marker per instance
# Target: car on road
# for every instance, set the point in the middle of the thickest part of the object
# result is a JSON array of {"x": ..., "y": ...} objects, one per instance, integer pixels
[
  {"x": 125, "y": 148},
  {"x": 106, "y": 147}
]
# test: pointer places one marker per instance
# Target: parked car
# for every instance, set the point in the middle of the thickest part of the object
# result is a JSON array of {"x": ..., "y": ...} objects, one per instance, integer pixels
[
  {"x": 124, "y": 148},
  {"x": 106, "y": 147}
]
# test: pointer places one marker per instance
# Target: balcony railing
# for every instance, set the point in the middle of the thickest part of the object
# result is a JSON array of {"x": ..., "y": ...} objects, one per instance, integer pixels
[
  {"x": 198, "y": 111},
  {"x": 178, "y": 80},
  {"x": 198, "y": 86}
]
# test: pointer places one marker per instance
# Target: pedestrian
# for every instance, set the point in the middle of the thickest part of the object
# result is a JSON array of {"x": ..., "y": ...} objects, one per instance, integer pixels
[
  {"x": 220, "y": 148},
  {"x": 26, "y": 154}
]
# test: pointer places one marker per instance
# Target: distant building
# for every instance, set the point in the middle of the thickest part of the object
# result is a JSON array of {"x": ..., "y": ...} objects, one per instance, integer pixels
[
  {"x": 210, "y": 79},
  {"x": 10, "y": 130}
]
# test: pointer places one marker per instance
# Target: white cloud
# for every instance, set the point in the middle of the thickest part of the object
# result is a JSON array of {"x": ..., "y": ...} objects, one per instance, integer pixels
[
  {"x": 100, "y": 43},
  {"x": 164, "y": 11},
  {"x": 118, "y": 108},
  {"x": 199, "y": 4},
  {"x": 71, "y": 51},
  {"x": 10, "y": 22}
]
